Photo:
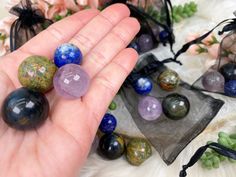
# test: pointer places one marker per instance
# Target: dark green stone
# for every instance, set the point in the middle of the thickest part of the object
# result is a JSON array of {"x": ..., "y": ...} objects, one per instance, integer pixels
[
  {"x": 138, "y": 150},
  {"x": 175, "y": 106},
  {"x": 111, "y": 146},
  {"x": 36, "y": 73}
]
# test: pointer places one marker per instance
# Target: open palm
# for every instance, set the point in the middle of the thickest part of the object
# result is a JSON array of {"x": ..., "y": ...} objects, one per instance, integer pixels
[{"x": 60, "y": 147}]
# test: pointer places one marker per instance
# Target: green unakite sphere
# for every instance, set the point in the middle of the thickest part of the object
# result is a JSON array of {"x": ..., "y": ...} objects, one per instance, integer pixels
[
  {"x": 138, "y": 150},
  {"x": 36, "y": 73}
]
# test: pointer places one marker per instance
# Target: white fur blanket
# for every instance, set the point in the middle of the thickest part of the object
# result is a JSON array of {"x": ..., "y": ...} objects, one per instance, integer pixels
[{"x": 210, "y": 12}]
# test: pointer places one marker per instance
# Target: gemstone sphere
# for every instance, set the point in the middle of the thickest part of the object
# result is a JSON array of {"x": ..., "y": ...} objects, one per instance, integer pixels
[
  {"x": 112, "y": 106},
  {"x": 168, "y": 80},
  {"x": 36, "y": 73},
  {"x": 66, "y": 54},
  {"x": 25, "y": 109},
  {"x": 135, "y": 46},
  {"x": 149, "y": 108},
  {"x": 164, "y": 36},
  {"x": 108, "y": 123},
  {"x": 143, "y": 86},
  {"x": 145, "y": 42},
  {"x": 213, "y": 81},
  {"x": 228, "y": 71},
  {"x": 138, "y": 150},
  {"x": 230, "y": 88},
  {"x": 156, "y": 30},
  {"x": 112, "y": 146},
  {"x": 175, "y": 106},
  {"x": 71, "y": 81}
]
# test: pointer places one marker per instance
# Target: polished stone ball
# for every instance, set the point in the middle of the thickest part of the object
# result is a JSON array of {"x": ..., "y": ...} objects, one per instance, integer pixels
[
  {"x": 67, "y": 54},
  {"x": 168, "y": 80},
  {"x": 230, "y": 88},
  {"x": 145, "y": 42},
  {"x": 108, "y": 123},
  {"x": 213, "y": 81},
  {"x": 138, "y": 150},
  {"x": 228, "y": 71},
  {"x": 112, "y": 146},
  {"x": 149, "y": 108},
  {"x": 175, "y": 106},
  {"x": 135, "y": 46},
  {"x": 36, "y": 73},
  {"x": 164, "y": 36},
  {"x": 25, "y": 109},
  {"x": 143, "y": 86}
]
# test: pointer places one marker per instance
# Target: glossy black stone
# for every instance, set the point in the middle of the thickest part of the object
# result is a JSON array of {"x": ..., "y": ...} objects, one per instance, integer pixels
[
  {"x": 175, "y": 106},
  {"x": 24, "y": 109},
  {"x": 111, "y": 146},
  {"x": 228, "y": 71}
]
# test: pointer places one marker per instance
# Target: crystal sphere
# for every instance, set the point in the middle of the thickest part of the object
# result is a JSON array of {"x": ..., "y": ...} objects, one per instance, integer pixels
[
  {"x": 149, "y": 108},
  {"x": 143, "y": 86},
  {"x": 71, "y": 81},
  {"x": 213, "y": 81},
  {"x": 36, "y": 73},
  {"x": 176, "y": 106},
  {"x": 156, "y": 30},
  {"x": 25, "y": 109},
  {"x": 66, "y": 54},
  {"x": 145, "y": 42},
  {"x": 112, "y": 146},
  {"x": 135, "y": 46},
  {"x": 138, "y": 150},
  {"x": 108, "y": 123},
  {"x": 168, "y": 80},
  {"x": 164, "y": 36},
  {"x": 230, "y": 88},
  {"x": 228, "y": 71}
]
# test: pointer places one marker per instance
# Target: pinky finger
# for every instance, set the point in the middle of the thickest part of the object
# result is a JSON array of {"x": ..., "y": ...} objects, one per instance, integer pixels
[{"x": 106, "y": 84}]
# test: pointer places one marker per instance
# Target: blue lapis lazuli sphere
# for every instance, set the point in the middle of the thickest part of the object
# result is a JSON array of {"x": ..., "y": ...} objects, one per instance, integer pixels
[
  {"x": 230, "y": 88},
  {"x": 108, "y": 124},
  {"x": 164, "y": 36},
  {"x": 143, "y": 86},
  {"x": 67, "y": 54}
]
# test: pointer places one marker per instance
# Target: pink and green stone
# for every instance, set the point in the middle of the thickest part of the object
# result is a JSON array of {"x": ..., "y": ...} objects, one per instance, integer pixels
[{"x": 36, "y": 73}]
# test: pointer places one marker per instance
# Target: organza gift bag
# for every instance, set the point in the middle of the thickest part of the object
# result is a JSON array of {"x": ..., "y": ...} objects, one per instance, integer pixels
[
  {"x": 168, "y": 136},
  {"x": 30, "y": 22},
  {"x": 152, "y": 31}
]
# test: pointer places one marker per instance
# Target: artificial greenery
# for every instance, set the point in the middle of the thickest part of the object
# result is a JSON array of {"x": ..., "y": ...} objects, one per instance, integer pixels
[
  {"x": 180, "y": 12},
  {"x": 2, "y": 37},
  {"x": 212, "y": 159}
]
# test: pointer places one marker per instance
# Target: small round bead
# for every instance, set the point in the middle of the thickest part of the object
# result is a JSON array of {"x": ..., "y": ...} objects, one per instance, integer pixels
[
  {"x": 228, "y": 71},
  {"x": 66, "y": 54},
  {"x": 112, "y": 146},
  {"x": 112, "y": 106},
  {"x": 175, "y": 106},
  {"x": 149, "y": 108},
  {"x": 230, "y": 88},
  {"x": 25, "y": 109},
  {"x": 108, "y": 123},
  {"x": 145, "y": 42},
  {"x": 156, "y": 30},
  {"x": 71, "y": 81},
  {"x": 168, "y": 80},
  {"x": 164, "y": 36},
  {"x": 143, "y": 86},
  {"x": 213, "y": 81},
  {"x": 138, "y": 150},
  {"x": 135, "y": 46},
  {"x": 36, "y": 73}
]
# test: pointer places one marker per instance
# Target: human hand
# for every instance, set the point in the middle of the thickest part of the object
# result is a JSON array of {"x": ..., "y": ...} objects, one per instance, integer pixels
[{"x": 60, "y": 146}]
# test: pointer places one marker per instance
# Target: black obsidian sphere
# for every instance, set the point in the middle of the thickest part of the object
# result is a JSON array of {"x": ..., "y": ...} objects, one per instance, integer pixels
[
  {"x": 175, "y": 106},
  {"x": 24, "y": 109},
  {"x": 228, "y": 71},
  {"x": 111, "y": 146}
]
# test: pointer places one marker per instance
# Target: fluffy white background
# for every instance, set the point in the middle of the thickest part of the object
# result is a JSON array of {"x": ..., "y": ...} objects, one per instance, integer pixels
[{"x": 210, "y": 12}]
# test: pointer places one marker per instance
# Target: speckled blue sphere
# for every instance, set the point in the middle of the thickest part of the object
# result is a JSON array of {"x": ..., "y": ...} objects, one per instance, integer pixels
[
  {"x": 230, "y": 88},
  {"x": 108, "y": 124},
  {"x": 164, "y": 36},
  {"x": 135, "y": 46},
  {"x": 143, "y": 86},
  {"x": 67, "y": 54}
]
